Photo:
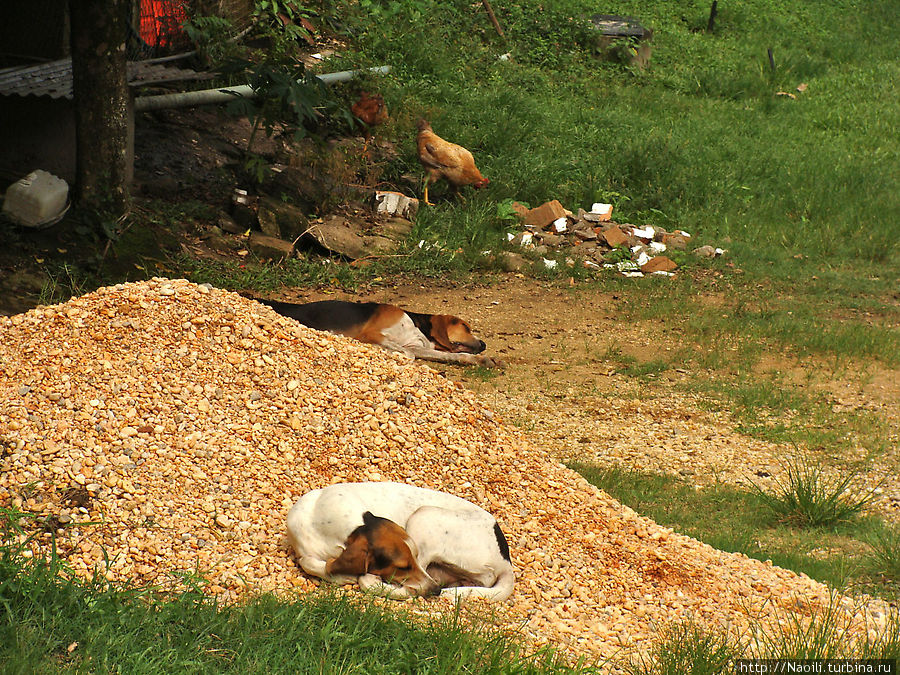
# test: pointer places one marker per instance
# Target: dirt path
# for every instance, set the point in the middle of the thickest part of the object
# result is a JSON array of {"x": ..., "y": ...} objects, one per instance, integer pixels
[{"x": 562, "y": 391}]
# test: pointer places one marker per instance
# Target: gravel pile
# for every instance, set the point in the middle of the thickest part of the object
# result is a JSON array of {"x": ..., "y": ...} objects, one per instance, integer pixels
[{"x": 171, "y": 426}]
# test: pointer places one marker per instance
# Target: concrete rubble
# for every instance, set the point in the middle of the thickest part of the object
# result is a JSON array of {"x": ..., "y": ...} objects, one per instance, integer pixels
[{"x": 593, "y": 240}]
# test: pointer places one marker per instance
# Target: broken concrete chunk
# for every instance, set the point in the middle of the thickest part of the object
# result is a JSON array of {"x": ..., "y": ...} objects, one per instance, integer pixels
[
  {"x": 584, "y": 232},
  {"x": 549, "y": 239},
  {"x": 396, "y": 204},
  {"x": 615, "y": 237},
  {"x": 541, "y": 216},
  {"x": 520, "y": 210},
  {"x": 646, "y": 232},
  {"x": 602, "y": 211},
  {"x": 660, "y": 263}
]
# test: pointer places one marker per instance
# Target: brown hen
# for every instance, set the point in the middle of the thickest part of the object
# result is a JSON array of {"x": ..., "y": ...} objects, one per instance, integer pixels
[
  {"x": 371, "y": 111},
  {"x": 442, "y": 159}
]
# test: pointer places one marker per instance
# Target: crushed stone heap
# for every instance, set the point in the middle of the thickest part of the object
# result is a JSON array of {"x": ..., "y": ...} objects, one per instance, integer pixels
[{"x": 172, "y": 426}]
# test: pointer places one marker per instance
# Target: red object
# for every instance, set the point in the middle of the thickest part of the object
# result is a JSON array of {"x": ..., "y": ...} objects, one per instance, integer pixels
[{"x": 160, "y": 24}]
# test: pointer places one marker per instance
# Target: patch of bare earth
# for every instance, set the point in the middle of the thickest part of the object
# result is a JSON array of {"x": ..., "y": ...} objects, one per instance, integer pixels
[
  {"x": 565, "y": 396},
  {"x": 164, "y": 426}
]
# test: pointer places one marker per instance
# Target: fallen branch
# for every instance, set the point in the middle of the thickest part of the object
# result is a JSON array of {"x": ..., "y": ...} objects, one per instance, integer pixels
[{"x": 490, "y": 11}]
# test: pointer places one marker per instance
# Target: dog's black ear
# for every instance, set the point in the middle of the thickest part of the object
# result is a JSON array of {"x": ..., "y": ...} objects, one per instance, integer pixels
[{"x": 369, "y": 520}]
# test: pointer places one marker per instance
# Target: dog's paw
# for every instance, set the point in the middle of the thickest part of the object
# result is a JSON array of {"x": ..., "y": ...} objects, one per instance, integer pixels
[
  {"x": 375, "y": 585},
  {"x": 488, "y": 362}
]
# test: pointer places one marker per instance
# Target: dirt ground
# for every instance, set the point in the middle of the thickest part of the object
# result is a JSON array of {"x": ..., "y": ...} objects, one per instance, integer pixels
[{"x": 559, "y": 388}]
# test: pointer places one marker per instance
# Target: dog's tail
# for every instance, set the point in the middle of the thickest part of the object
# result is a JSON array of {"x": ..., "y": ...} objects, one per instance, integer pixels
[{"x": 500, "y": 591}]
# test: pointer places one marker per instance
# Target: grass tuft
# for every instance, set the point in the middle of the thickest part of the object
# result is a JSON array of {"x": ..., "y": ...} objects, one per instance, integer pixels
[
  {"x": 807, "y": 498},
  {"x": 884, "y": 553},
  {"x": 686, "y": 648}
]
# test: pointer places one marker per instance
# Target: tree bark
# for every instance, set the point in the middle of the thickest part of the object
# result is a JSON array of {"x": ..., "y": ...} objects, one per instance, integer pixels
[{"x": 102, "y": 121}]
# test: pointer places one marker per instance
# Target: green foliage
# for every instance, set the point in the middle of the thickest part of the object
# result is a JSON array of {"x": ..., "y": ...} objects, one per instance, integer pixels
[
  {"x": 282, "y": 16},
  {"x": 806, "y": 497},
  {"x": 212, "y": 35}
]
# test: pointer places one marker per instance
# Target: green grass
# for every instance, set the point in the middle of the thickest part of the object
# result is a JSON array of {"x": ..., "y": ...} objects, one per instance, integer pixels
[
  {"x": 51, "y": 623},
  {"x": 807, "y": 498},
  {"x": 739, "y": 520},
  {"x": 699, "y": 140}
]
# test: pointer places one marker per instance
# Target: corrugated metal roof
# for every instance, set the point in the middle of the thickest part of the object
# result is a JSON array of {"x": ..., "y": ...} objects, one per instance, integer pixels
[{"x": 54, "y": 79}]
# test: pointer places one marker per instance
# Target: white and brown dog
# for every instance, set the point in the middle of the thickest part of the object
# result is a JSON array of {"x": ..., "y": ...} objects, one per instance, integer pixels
[
  {"x": 432, "y": 337},
  {"x": 401, "y": 541}
]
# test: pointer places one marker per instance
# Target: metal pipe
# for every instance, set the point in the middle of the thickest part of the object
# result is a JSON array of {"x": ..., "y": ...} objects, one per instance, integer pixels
[{"x": 225, "y": 94}]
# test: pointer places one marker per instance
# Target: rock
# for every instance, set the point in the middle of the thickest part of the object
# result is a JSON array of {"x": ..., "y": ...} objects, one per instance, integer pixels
[
  {"x": 269, "y": 248},
  {"x": 268, "y": 223},
  {"x": 520, "y": 210},
  {"x": 584, "y": 231},
  {"x": 706, "y": 251},
  {"x": 541, "y": 216},
  {"x": 281, "y": 220},
  {"x": 510, "y": 261},
  {"x": 551, "y": 239},
  {"x": 343, "y": 236},
  {"x": 675, "y": 240},
  {"x": 228, "y": 224},
  {"x": 660, "y": 263},
  {"x": 615, "y": 237},
  {"x": 395, "y": 228}
]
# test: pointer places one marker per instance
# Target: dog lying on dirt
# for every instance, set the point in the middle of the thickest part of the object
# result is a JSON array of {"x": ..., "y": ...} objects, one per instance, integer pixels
[{"x": 431, "y": 337}]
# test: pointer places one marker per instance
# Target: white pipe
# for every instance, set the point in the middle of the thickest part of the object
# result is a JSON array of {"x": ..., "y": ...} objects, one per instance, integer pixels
[{"x": 225, "y": 94}]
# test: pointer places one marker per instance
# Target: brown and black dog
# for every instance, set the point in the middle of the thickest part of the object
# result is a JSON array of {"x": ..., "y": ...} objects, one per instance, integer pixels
[{"x": 431, "y": 337}]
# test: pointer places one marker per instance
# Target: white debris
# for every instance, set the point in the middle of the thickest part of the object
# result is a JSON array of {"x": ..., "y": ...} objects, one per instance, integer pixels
[
  {"x": 549, "y": 264},
  {"x": 396, "y": 204},
  {"x": 644, "y": 232},
  {"x": 657, "y": 246},
  {"x": 561, "y": 224}
]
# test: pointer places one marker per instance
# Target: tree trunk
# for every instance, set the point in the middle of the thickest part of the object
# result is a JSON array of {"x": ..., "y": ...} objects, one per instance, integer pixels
[{"x": 102, "y": 123}]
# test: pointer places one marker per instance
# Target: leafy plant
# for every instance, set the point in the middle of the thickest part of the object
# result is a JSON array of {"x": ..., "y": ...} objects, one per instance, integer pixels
[
  {"x": 285, "y": 16},
  {"x": 506, "y": 213},
  {"x": 212, "y": 35},
  {"x": 285, "y": 94}
]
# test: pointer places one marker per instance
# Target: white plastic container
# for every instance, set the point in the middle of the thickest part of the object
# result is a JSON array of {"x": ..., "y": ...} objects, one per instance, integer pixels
[{"x": 37, "y": 200}]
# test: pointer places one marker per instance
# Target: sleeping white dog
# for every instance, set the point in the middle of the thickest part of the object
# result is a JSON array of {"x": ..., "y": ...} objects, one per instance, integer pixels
[{"x": 401, "y": 541}]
